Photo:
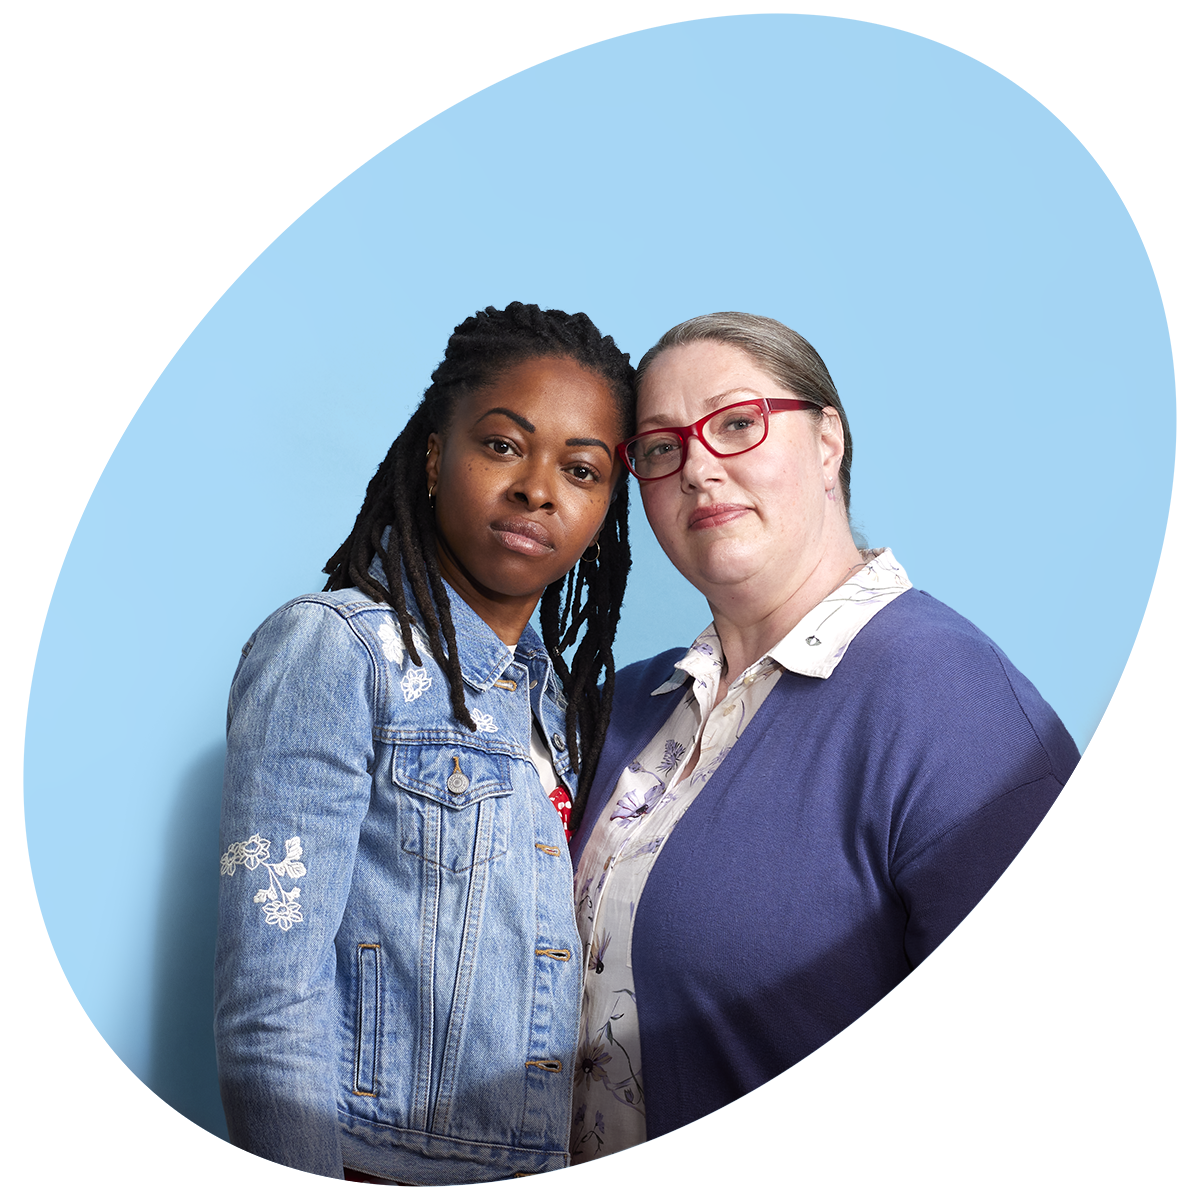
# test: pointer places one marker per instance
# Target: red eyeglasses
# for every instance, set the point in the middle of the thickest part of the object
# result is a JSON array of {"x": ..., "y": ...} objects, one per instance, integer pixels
[{"x": 731, "y": 430}]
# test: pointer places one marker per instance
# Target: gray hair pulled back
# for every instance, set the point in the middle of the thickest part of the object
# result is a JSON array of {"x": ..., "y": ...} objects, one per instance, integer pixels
[{"x": 781, "y": 352}]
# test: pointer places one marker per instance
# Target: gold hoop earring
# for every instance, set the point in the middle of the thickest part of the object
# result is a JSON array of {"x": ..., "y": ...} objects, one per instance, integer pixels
[{"x": 595, "y": 557}]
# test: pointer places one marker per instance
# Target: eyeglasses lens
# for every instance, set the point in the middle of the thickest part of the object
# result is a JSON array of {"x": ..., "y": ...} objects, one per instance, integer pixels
[
  {"x": 733, "y": 430},
  {"x": 728, "y": 431},
  {"x": 655, "y": 455}
]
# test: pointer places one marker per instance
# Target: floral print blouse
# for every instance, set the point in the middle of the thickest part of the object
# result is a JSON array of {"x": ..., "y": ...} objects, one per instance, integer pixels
[{"x": 651, "y": 796}]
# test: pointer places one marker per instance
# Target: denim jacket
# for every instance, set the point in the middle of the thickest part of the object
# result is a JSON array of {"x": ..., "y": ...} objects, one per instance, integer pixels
[{"x": 398, "y": 971}]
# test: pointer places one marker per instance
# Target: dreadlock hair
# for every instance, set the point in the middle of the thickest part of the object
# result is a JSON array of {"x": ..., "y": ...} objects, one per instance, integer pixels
[{"x": 587, "y": 600}]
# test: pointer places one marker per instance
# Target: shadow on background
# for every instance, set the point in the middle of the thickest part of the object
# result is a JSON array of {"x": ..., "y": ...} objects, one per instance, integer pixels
[{"x": 183, "y": 1063}]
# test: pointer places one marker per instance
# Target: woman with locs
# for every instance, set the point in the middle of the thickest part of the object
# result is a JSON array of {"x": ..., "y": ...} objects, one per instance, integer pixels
[
  {"x": 792, "y": 813},
  {"x": 398, "y": 968}
]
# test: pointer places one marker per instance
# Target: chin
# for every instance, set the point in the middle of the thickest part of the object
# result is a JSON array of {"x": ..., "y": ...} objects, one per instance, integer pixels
[{"x": 721, "y": 570}]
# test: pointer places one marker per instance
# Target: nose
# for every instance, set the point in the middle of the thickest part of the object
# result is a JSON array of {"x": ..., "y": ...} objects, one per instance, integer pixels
[
  {"x": 533, "y": 487},
  {"x": 700, "y": 464}
]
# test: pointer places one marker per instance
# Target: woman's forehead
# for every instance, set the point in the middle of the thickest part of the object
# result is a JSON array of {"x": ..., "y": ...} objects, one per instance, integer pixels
[
  {"x": 699, "y": 377},
  {"x": 555, "y": 380}
]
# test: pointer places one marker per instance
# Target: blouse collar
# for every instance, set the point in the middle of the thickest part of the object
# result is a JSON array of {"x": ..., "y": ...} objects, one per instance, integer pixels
[{"x": 816, "y": 643}]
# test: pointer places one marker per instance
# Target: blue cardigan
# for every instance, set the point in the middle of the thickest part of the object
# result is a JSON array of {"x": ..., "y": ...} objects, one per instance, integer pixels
[{"x": 857, "y": 820}]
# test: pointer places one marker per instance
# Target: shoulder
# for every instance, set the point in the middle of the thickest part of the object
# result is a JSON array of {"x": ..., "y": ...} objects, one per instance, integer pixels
[
  {"x": 313, "y": 655},
  {"x": 952, "y": 678},
  {"x": 915, "y": 622},
  {"x": 918, "y": 638},
  {"x": 340, "y": 615},
  {"x": 322, "y": 636}
]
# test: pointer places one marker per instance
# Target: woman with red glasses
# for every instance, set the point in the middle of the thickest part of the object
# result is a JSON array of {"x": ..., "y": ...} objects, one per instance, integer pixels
[{"x": 792, "y": 813}]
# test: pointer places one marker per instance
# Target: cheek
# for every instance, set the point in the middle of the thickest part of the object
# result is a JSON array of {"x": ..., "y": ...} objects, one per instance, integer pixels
[
  {"x": 592, "y": 514},
  {"x": 787, "y": 478},
  {"x": 657, "y": 505}
]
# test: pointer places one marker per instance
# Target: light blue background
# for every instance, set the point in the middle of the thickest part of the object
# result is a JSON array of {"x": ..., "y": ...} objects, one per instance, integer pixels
[{"x": 975, "y": 285}]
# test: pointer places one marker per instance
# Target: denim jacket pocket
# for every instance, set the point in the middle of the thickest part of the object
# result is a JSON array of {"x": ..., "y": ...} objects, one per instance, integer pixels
[
  {"x": 454, "y": 803},
  {"x": 366, "y": 1042}
]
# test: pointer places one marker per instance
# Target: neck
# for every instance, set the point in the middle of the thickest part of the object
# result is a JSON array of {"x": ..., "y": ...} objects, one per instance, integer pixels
[
  {"x": 506, "y": 616},
  {"x": 751, "y": 619}
]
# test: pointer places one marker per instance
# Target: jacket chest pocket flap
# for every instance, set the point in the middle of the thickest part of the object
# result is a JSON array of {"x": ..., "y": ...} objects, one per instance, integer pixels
[{"x": 454, "y": 803}]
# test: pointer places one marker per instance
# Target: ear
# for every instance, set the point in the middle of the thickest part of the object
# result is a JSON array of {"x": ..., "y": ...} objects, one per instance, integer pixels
[
  {"x": 833, "y": 441},
  {"x": 433, "y": 459}
]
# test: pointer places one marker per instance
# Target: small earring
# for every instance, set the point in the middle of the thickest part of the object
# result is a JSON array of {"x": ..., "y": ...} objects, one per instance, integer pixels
[
  {"x": 431, "y": 496},
  {"x": 829, "y": 492},
  {"x": 595, "y": 557}
]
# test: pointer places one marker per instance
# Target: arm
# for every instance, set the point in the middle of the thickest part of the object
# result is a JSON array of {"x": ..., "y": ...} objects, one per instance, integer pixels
[
  {"x": 992, "y": 759},
  {"x": 944, "y": 880},
  {"x": 297, "y": 786}
]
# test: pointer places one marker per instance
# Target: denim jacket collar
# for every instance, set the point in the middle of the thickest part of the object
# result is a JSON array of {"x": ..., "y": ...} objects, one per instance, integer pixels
[{"x": 482, "y": 656}]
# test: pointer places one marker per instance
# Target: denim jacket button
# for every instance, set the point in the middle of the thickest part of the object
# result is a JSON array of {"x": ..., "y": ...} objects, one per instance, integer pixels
[
  {"x": 458, "y": 782},
  {"x": 559, "y": 742}
]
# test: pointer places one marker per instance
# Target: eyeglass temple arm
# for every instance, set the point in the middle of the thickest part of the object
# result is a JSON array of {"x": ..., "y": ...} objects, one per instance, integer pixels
[{"x": 789, "y": 405}]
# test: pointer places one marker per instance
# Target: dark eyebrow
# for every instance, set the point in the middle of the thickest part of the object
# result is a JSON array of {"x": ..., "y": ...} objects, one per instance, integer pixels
[
  {"x": 530, "y": 427},
  {"x": 526, "y": 425},
  {"x": 590, "y": 442}
]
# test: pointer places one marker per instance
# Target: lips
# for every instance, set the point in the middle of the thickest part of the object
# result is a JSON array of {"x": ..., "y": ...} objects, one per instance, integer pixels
[
  {"x": 709, "y": 516},
  {"x": 523, "y": 537}
]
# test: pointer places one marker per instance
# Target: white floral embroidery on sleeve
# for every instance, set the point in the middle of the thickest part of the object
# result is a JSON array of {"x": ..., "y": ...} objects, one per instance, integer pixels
[
  {"x": 393, "y": 643},
  {"x": 256, "y": 850},
  {"x": 484, "y": 723},
  {"x": 279, "y": 907},
  {"x": 415, "y": 683}
]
